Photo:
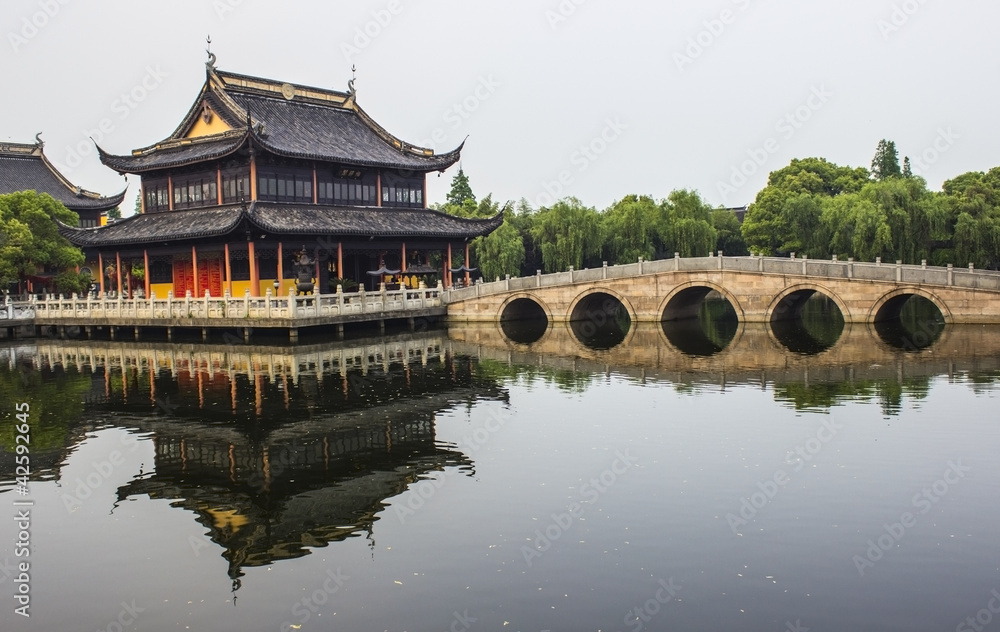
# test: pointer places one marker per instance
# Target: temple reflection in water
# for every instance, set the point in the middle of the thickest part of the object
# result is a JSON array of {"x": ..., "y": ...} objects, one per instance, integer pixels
[{"x": 277, "y": 450}]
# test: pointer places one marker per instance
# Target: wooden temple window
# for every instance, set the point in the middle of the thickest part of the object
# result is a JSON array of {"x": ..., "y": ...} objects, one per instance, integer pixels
[
  {"x": 161, "y": 269},
  {"x": 200, "y": 190},
  {"x": 284, "y": 185},
  {"x": 157, "y": 195},
  {"x": 235, "y": 186},
  {"x": 400, "y": 189},
  {"x": 346, "y": 186},
  {"x": 239, "y": 265}
]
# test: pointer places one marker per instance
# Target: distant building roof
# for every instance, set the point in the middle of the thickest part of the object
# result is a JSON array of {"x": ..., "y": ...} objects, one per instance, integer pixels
[
  {"x": 290, "y": 121},
  {"x": 282, "y": 219},
  {"x": 24, "y": 167}
]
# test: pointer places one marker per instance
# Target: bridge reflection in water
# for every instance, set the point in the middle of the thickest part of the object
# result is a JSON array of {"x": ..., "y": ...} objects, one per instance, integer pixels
[
  {"x": 807, "y": 322},
  {"x": 277, "y": 450}
]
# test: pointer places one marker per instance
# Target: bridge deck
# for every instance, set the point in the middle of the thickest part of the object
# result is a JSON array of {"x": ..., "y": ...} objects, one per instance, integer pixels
[{"x": 758, "y": 287}]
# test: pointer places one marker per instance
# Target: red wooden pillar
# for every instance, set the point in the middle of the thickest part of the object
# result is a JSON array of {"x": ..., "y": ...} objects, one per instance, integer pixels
[
  {"x": 467, "y": 266},
  {"x": 340, "y": 260},
  {"x": 447, "y": 269},
  {"x": 254, "y": 272},
  {"x": 402, "y": 267},
  {"x": 229, "y": 271},
  {"x": 118, "y": 268},
  {"x": 145, "y": 266},
  {"x": 100, "y": 272},
  {"x": 194, "y": 270},
  {"x": 281, "y": 266}
]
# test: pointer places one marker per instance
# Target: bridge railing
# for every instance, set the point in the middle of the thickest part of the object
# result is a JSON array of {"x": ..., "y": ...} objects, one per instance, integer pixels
[
  {"x": 815, "y": 268},
  {"x": 290, "y": 307}
]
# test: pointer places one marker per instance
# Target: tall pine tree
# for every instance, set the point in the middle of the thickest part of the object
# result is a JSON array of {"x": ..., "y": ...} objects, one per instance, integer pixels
[
  {"x": 460, "y": 189},
  {"x": 885, "y": 164}
]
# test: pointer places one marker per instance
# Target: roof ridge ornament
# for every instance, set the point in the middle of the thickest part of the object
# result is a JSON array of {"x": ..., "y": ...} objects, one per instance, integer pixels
[
  {"x": 350, "y": 84},
  {"x": 210, "y": 64},
  {"x": 39, "y": 143}
]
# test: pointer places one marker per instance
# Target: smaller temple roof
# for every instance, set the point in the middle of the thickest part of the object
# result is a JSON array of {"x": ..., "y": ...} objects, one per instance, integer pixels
[
  {"x": 24, "y": 167},
  {"x": 282, "y": 219},
  {"x": 286, "y": 120}
]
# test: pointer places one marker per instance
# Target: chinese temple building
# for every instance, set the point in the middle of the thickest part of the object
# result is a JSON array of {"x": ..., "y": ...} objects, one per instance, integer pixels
[
  {"x": 24, "y": 167},
  {"x": 262, "y": 178}
]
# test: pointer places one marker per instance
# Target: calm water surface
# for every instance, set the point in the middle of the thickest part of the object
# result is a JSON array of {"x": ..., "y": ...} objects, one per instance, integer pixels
[{"x": 664, "y": 477}]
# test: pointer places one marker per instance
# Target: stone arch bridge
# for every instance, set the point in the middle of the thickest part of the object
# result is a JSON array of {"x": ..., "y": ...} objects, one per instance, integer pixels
[{"x": 760, "y": 289}]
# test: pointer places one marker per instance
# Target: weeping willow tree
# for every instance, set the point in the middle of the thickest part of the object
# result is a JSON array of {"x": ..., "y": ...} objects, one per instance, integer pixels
[
  {"x": 567, "y": 233},
  {"x": 686, "y": 226},
  {"x": 631, "y": 226}
]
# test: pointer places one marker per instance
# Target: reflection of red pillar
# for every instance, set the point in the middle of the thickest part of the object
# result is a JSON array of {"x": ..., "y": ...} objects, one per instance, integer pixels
[{"x": 467, "y": 266}]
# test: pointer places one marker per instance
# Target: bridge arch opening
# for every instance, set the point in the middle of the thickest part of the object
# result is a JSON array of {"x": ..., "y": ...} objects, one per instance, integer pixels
[
  {"x": 807, "y": 321},
  {"x": 909, "y": 321},
  {"x": 600, "y": 321},
  {"x": 523, "y": 321},
  {"x": 699, "y": 321}
]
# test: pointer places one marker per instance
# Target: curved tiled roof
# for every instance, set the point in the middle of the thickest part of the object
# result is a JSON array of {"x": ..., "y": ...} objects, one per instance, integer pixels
[
  {"x": 158, "y": 227},
  {"x": 367, "y": 221},
  {"x": 282, "y": 219},
  {"x": 291, "y": 121},
  {"x": 25, "y": 168},
  {"x": 305, "y": 130},
  {"x": 175, "y": 153}
]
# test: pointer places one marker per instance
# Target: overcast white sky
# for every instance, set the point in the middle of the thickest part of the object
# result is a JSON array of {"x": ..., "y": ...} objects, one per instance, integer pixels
[{"x": 589, "y": 98}]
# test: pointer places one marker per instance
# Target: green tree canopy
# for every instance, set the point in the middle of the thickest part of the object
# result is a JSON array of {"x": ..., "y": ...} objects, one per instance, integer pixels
[
  {"x": 29, "y": 235},
  {"x": 460, "y": 190},
  {"x": 885, "y": 164},
  {"x": 567, "y": 233}
]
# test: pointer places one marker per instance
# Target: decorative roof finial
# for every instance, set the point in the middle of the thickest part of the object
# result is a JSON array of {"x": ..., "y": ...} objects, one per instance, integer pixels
[
  {"x": 350, "y": 84},
  {"x": 210, "y": 64},
  {"x": 38, "y": 140}
]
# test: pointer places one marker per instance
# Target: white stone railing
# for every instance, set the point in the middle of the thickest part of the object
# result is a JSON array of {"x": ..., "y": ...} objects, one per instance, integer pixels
[
  {"x": 815, "y": 268},
  {"x": 12, "y": 310},
  {"x": 268, "y": 307}
]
